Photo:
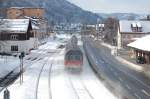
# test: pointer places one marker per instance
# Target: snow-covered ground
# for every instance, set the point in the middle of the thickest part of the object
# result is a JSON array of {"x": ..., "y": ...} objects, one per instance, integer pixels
[
  {"x": 75, "y": 85},
  {"x": 48, "y": 79},
  {"x": 8, "y": 63}
]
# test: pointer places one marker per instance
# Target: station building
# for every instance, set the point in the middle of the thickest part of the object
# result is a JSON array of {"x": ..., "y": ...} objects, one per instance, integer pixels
[
  {"x": 141, "y": 48},
  {"x": 16, "y": 35}
]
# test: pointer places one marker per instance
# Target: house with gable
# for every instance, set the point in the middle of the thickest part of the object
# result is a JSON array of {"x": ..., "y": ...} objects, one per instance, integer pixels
[
  {"x": 129, "y": 31},
  {"x": 141, "y": 49},
  {"x": 16, "y": 36}
]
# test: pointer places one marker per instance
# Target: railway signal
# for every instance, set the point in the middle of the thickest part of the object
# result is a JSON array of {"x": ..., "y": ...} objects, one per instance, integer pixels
[
  {"x": 6, "y": 94},
  {"x": 21, "y": 56}
]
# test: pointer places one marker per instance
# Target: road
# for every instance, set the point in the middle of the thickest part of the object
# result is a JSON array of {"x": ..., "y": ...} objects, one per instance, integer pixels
[{"x": 121, "y": 77}]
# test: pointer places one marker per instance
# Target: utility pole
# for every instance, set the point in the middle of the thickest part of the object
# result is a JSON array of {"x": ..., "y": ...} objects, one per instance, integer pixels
[
  {"x": 97, "y": 28},
  {"x": 97, "y": 31}
]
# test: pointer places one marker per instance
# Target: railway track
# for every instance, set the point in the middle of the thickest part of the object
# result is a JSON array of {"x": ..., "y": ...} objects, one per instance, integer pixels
[
  {"x": 49, "y": 82},
  {"x": 8, "y": 80},
  {"x": 14, "y": 74},
  {"x": 47, "y": 66},
  {"x": 91, "y": 97},
  {"x": 79, "y": 87},
  {"x": 35, "y": 58}
]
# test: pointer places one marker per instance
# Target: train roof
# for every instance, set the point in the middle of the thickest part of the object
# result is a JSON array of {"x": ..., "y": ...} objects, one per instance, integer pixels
[
  {"x": 72, "y": 44},
  {"x": 70, "y": 47},
  {"x": 74, "y": 37},
  {"x": 74, "y": 40}
]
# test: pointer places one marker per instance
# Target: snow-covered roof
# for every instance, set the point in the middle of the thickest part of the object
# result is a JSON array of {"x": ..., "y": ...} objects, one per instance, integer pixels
[
  {"x": 139, "y": 24},
  {"x": 101, "y": 25},
  {"x": 141, "y": 43},
  {"x": 91, "y": 26},
  {"x": 35, "y": 24},
  {"x": 133, "y": 24},
  {"x": 14, "y": 25},
  {"x": 25, "y": 8},
  {"x": 35, "y": 27},
  {"x": 125, "y": 26}
]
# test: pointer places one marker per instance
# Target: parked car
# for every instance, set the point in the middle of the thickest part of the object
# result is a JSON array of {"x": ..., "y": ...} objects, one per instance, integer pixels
[{"x": 140, "y": 60}]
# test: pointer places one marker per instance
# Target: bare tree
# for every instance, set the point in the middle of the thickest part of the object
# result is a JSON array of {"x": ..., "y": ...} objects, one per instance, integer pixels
[{"x": 110, "y": 33}]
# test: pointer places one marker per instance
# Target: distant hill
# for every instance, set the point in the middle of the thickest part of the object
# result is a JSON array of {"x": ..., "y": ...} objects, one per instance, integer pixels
[
  {"x": 56, "y": 10},
  {"x": 121, "y": 16}
]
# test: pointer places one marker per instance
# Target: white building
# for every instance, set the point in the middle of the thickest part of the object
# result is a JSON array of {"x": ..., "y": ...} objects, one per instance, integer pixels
[{"x": 16, "y": 36}]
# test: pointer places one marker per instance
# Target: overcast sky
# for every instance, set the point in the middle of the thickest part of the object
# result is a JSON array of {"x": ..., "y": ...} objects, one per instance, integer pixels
[{"x": 109, "y": 6}]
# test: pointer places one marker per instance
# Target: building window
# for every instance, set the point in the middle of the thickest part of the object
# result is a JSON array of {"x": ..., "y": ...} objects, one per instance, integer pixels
[
  {"x": 14, "y": 37},
  {"x": 14, "y": 48},
  {"x": 136, "y": 27},
  {"x": 139, "y": 29}
]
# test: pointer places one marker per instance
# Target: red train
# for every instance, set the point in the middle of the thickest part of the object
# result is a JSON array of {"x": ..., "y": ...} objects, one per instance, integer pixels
[{"x": 73, "y": 54}]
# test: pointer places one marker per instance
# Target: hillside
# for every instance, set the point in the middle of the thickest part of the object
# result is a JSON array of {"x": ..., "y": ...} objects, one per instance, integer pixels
[
  {"x": 121, "y": 16},
  {"x": 56, "y": 10}
]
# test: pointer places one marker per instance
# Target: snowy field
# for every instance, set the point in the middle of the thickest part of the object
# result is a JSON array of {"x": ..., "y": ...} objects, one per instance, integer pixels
[{"x": 46, "y": 77}]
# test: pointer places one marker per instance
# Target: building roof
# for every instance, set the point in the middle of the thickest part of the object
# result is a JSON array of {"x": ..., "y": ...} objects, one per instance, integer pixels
[
  {"x": 125, "y": 26},
  {"x": 35, "y": 24},
  {"x": 35, "y": 27},
  {"x": 25, "y": 8},
  {"x": 14, "y": 25},
  {"x": 101, "y": 25},
  {"x": 141, "y": 43}
]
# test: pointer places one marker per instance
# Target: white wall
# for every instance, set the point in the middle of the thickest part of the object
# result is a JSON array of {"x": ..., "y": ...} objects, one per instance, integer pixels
[
  {"x": 23, "y": 46},
  {"x": 33, "y": 43}
]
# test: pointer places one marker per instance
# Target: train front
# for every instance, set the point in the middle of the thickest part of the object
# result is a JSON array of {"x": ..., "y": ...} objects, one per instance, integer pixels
[{"x": 73, "y": 55}]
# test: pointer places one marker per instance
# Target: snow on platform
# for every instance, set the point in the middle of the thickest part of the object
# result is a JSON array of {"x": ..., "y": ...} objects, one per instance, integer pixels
[{"x": 7, "y": 64}]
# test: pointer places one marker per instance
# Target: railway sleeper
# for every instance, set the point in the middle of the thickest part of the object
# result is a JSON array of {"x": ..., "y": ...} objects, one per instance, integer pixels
[
  {"x": 5, "y": 77},
  {"x": 8, "y": 80}
]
